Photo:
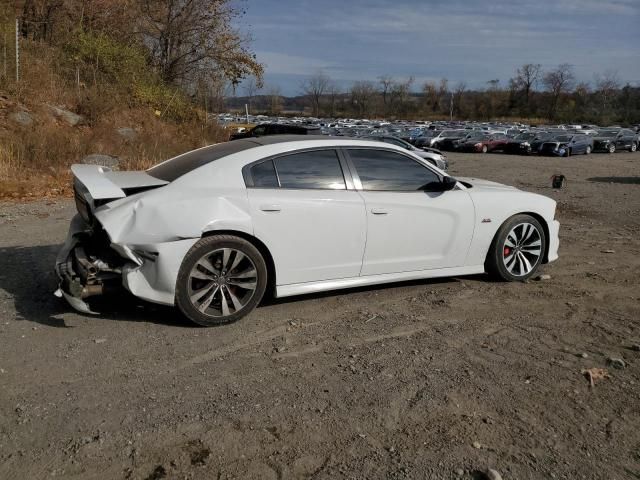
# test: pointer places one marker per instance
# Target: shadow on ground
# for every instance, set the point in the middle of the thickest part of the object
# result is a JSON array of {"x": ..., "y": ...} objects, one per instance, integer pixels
[
  {"x": 622, "y": 180},
  {"x": 26, "y": 274}
]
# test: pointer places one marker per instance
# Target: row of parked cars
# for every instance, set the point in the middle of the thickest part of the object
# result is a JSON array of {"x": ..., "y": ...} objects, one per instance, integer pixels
[
  {"x": 554, "y": 142},
  {"x": 433, "y": 138}
]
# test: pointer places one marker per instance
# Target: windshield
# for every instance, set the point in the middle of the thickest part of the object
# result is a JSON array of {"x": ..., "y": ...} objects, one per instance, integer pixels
[
  {"x": 563, "y": 138},
  {"x": 175, "y": 167},
  {"x": 525, "y": 136}
]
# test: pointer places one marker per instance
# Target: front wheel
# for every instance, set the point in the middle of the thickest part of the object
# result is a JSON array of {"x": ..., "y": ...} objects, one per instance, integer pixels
[
  {"x": 588, "y": 150},
  {"x": 633, "y": 147},
  {"x": 612, "y": 148},
  {"x": 517, "y": 249},
  {"x": 485, "y": 149},
  {"x": 222, "y": 278}
]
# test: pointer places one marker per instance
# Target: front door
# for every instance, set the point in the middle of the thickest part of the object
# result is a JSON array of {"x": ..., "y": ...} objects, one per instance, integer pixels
[{"x": 409, "y": 229}]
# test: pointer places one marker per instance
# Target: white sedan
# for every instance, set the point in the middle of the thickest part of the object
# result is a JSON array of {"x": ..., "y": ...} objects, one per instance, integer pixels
[{"x": 211, "y": 231}]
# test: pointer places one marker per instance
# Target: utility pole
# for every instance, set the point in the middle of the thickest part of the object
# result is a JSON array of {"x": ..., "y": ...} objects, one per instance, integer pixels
[
  {"x": 246, "y": 108},
  {"x": 17, "y": 50}
]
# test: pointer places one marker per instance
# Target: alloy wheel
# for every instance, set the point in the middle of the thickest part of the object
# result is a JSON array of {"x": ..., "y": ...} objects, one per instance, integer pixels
[
  {"x": 222, "y": 282},
  {"x": 522, "y": 249}
]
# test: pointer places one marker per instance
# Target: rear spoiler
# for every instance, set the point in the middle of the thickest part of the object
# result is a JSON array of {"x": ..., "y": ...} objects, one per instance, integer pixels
[{"x": 103, "y": 183}]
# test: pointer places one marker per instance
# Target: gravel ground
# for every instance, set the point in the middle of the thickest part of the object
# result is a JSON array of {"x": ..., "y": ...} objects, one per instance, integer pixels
[{"x": 432, "y": 379}]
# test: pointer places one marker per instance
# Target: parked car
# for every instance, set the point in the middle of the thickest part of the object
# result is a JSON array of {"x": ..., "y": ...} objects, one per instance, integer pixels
[
  {"x": 483, "y": 143},
  {"x": 520, "y": 144},
  {"x": 276, "y": 129},
  {"x": 438, "y": 159},
  {"x": 425, "y": 139},
  {"x": 211, "y": 231},
  {"x": 567, "y": 145},
  {"x": 612, "y": 140},
  {"x": 449, "y": 139}
]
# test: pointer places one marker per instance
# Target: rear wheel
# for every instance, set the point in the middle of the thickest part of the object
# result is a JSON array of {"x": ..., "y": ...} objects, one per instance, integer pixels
[
  {"x": 517, "y": 249},
  {"x": 633, "y": 147},
  {"x": 222, "y": 279},
  {"x": 588, "y": 150}
]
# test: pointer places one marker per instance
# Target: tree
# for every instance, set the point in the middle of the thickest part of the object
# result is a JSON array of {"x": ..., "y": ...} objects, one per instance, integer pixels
[
  {"x": 362, "y": 94},
  {"x": 333, "y": 93},
  {"x": 251, "y": 87},
  {"x": 458, "y": 98},
  {"x": 525, "y": 82},
  {"x": 275, "y": 97},
  {"x": 606, "y": 86},
  {"x": 185, "y": 37},
  {"x": 558, "y": 82},
  {"x": 386, "y": 85},
  {"x": 315, "y": 87}
]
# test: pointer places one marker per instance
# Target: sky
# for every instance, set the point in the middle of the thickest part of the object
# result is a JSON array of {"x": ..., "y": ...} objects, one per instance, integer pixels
[{"x": 463, "y": 40}]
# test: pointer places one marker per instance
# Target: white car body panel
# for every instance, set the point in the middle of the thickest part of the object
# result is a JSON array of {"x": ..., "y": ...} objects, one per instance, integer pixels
[
  {"x": 311, "y": 234},
  {"x": 413, "y": 231},
  {"x": 319, "y": 239}
]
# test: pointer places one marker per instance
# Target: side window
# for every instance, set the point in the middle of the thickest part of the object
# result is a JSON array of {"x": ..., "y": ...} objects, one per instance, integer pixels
[
  {"x": 311, "y": 170},
  {"x": 264, "y": 175},
  {"x": 382, "y": 170}
]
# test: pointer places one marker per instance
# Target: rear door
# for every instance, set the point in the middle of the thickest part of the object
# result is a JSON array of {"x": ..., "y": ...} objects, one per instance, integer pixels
[
  {"x": 409, "y": 229},
  {"x": 314, "y": 226}
]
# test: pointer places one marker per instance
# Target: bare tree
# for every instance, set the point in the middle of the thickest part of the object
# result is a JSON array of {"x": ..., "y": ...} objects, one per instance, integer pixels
[
  {"x": 606, "y": 86},
  {"x": 386, "y": 85},
  {"x": 333, "y": 93},
  {"x": 362, "y": 95},
  {"x": 251, "y": 87},
  {"x": 400, "y": 92},
  {"x": 458, "y": 97},
  {"x": 558, "y": 82},
  {"x": 525, "y": 82},
  {"x": 275, "y": 97},
  {"x": 315, "y": 87}
]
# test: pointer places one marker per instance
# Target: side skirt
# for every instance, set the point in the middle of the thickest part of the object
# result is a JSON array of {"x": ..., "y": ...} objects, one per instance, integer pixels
[{"x": 325, "y": 285}]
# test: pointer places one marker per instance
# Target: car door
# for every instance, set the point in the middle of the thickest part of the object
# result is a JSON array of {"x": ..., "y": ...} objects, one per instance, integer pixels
[
  {"x": 409, "y": 229},
  {"x": 314, "y": 227}
]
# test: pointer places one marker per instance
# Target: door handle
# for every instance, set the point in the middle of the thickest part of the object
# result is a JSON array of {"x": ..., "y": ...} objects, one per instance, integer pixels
[
  {"x": 270, "y": 207},
  {"x": 379, "y": 211}
]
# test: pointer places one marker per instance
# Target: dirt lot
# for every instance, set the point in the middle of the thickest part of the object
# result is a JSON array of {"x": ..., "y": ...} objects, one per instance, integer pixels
[{"x": 434, "y": 379}]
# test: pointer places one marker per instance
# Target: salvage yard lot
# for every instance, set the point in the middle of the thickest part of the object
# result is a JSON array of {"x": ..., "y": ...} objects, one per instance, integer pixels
[{"x": 411, "y": 380}]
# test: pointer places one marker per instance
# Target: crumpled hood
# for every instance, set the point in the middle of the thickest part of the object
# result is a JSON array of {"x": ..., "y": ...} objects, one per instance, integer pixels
[{"x": 486, "y": 185}]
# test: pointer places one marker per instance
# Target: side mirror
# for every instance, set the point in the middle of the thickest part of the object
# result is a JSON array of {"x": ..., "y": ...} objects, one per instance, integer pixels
[{"x": 447, "y": 183}]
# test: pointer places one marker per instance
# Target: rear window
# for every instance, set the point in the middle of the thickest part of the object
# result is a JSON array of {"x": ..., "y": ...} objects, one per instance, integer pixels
[{"x": 187, "y": 162}]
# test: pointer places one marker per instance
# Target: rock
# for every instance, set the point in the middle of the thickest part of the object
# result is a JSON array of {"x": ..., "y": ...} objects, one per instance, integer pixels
[
  {"x": 100, "y": 340},
  {"x": 492, "y": 474},
  {"x": 459, "y": 472},
  {"x": 616, "y": 362},
  {"x": 540, "y": 278},
  {"x": 584, "y": 355},
  {"x": 636, "y": 347},
  {"x": 73, "y": 119},
  {"x": 281, "y": 349},
  {"x": 22, "y": 118},
  {"x": 476, "y": 445},
  {"x": 100, "y": 159},
  {"x": 127, "y": 133},
  {"x": 608, "y": 251}
]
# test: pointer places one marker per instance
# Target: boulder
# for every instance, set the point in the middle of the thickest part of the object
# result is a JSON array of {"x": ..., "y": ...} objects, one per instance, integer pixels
[
  {"x": 22, "y": 118},
  {"x": 127, "y": 133},
  {"x": 72, "y": 119},
  {"x": 101, "y": 159}
]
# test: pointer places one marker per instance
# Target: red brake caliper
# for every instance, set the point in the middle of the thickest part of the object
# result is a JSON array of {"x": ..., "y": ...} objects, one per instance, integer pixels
[{"x": 507, "y": 251}]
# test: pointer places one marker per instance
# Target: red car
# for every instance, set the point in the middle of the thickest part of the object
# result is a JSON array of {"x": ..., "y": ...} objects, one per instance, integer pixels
[{"x": 484, "y": 143}]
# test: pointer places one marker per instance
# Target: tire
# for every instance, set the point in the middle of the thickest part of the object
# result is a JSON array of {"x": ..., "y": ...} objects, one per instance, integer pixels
[
  {"x": 612, "y": 148},
  {"x": 514, "y": 256},
  {"x": 208, "y": 270},
  {"x": 633, "y": 147},
  {"x": 485, "y": 149},
  {"x": 588, "y": 150}
]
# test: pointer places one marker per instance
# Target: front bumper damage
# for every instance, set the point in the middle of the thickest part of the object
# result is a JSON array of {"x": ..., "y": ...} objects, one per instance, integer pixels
[{"x": 90, "y": 265}]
